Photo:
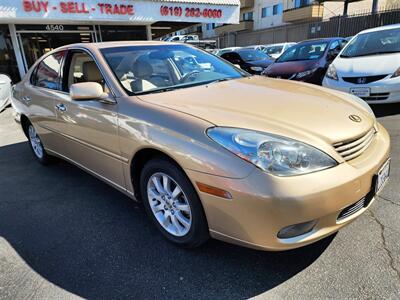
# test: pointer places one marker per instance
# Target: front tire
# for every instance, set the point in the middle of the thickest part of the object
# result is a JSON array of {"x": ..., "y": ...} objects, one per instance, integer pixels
[
  {"x": 173, "y": 204},
  {"x": 36, "y": 145}
]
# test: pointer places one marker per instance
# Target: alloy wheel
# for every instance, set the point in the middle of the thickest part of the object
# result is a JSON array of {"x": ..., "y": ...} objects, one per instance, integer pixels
[
  {"x": 35, "y": 142},
  {"x": 169, "y": 204}
]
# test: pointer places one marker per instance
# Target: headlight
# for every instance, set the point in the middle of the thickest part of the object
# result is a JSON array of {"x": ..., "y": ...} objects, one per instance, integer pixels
[
  {"x": 256, "y": 69},
  {"x": 331, "y": 72},
  {"x": 396, "y": 74},
  {"x": 274, "y": 154},
  {"x": 305, "y": 73}
]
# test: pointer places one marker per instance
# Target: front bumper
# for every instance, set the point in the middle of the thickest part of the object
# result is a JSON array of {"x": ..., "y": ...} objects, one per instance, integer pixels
[
  {"x": 262, "y": 204},
  {"x": 382, "y": 91}
]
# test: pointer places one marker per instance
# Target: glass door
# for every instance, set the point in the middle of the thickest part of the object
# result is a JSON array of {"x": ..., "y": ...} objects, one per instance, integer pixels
[{"x": 35, "y": 43}]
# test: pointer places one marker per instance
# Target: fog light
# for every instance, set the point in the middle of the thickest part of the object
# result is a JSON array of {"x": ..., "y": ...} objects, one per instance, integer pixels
[{"x": 296, "y": 229}]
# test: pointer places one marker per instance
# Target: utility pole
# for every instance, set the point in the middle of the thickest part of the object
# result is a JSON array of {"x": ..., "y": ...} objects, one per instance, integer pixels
[
  {"x": 346, "y": 7},
  {"x": 374, "y": 6}
]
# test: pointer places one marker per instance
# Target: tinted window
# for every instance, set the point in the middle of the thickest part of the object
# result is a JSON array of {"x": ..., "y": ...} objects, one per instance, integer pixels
[
  {"x": 252, "y": 55},
  {"x": 47, "y": 72},
  {"x": 273, "y": 50},
  {"x": 378, "y": 42},
  {"x": 306, "y": 51}
]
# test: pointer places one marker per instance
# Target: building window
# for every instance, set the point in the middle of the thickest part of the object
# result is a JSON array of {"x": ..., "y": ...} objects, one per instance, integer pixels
[
  {"x": 277, "y": 9},
  {"x": 248, "y": 16},
  {"x": 301, "y": 3},
  {"x": 123, "y": 33},
  {"x": 210, "y": 26},
  {"x": 266, "y": 12}
]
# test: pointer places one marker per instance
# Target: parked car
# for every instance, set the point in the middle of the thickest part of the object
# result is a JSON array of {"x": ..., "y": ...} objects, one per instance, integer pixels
[
  {"x": 306, "y": 61},
  {"x": 215, "y": 152},
  {"x": 276, "y": 50},
  {"x": 226, "y": 50},
  {"x": 250, "y": 60},
  {"x": 369, "y": 66},
  {"x": 5, "y": 91}
]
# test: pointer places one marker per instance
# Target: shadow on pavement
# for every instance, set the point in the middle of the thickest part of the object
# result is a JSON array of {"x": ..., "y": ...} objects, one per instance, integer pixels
[
  {"x": 89, "y": 239},
  {"x": 383, "y": 110}
]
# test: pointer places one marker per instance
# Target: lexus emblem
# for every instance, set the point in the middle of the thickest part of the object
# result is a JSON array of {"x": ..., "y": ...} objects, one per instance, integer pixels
[
  {"x": 355, "y": 118},
  {"x": 361, "y": 80}
]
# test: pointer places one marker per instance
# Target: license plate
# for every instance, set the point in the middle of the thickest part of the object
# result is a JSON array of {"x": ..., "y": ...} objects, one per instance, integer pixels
[
  {"x": 360, "y": 91},
  {"x": 383, "y": 176}
]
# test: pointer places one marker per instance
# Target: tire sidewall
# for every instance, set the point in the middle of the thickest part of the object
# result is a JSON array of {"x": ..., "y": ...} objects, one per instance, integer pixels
[
  {"x": 45, "y": 158},
  {"x": 198, "y": 232}
]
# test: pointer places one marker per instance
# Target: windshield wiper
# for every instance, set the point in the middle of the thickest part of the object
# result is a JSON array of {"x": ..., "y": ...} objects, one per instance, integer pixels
[{"x": 160, "y": 90}]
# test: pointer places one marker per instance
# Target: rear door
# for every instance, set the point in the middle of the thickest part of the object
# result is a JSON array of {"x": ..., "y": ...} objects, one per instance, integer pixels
[
  {"x": 39, "y": 94},
  {"x": 89, "y": 128}
]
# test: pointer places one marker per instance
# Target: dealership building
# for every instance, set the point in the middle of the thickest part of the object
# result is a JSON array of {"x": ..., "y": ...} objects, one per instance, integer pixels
[{"x": 30, "y": 28}]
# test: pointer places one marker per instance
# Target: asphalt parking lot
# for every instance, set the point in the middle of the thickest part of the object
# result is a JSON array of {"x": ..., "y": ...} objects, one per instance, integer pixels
[{"x": 65, "y": 234}]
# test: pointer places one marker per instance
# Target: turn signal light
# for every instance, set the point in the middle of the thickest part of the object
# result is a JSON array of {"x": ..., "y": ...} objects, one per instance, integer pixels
[{"x": 205, "y": 188}]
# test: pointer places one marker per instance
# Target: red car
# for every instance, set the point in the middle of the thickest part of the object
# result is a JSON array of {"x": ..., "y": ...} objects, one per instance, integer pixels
[{"x": 306, "y": 61}]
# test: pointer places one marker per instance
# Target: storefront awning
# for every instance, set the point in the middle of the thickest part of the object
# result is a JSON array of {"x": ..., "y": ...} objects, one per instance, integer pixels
[
  {"x": 119, "y": 11},
  {"x": 214, "y": 2}
]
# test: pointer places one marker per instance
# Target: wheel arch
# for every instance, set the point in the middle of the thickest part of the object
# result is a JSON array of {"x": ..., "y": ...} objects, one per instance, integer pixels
[
  {"x": 138, "y": 161},
  {"x": 24, "y": 124}
]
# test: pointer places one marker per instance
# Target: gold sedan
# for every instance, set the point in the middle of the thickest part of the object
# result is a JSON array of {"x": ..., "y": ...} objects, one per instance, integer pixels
[{"x": 208, "y": 149}]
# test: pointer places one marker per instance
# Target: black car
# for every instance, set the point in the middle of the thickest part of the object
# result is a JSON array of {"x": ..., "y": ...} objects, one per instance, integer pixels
[
  {"x": 250, "y": 60},
  {"x": 306, "y": 61}
]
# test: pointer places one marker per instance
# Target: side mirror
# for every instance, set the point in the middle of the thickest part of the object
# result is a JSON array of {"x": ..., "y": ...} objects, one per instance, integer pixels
[
  {"x": 87, "y": 91},
  {"x": 333, "y": 53}
]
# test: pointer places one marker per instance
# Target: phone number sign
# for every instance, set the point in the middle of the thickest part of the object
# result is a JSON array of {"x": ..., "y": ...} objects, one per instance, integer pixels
[{"x": 141, "y": 11}]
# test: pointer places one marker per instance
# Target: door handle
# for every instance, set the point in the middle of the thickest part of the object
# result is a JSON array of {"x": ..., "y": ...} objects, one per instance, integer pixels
[
  {"x": 26, "y": 99},
  {"x": 61, "y": 107}
]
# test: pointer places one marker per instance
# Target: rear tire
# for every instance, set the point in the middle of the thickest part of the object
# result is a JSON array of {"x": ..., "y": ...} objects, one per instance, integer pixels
[
  {"x": 172, "y": 203},
  {"x": 36, "y": 144}
]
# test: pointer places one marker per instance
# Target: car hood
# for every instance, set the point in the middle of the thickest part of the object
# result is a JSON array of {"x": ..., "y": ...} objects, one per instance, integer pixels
[
  {"x": 291, "y": 67},
  {"x": 367, "y": 65},
  {"x": 297, "y": 110}
]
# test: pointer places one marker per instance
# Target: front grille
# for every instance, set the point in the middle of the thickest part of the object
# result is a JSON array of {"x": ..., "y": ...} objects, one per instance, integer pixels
[
  {"x": 352, "y": 209},
  {"x": 364, "y": 79},
  {"x": 376, "y": 96},
  {"x": 360, "y": 204},
  {"x": 354, "y": 148}
]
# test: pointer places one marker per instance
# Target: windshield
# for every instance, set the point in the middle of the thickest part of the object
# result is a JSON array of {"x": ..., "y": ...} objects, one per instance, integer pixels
[
  {"x": 306, "y": 51},
  {"x": 378, "y": 42},
  {"x": 252, "y": 55},
  {"x": 154, "y": 68},
  {"x": 273, "y": 50}
]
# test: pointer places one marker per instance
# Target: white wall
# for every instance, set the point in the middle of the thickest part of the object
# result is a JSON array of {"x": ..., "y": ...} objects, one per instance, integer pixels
[
  {"x": 332, "y": 9},
  {"x": 270, "y": 21}
]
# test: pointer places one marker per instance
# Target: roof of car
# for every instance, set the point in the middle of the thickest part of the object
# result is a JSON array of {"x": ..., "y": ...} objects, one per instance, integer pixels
[
  {"x": 103, "y": 45},
  {"x": 321, "y": 40},
  {"x": 386, "y": 27}
]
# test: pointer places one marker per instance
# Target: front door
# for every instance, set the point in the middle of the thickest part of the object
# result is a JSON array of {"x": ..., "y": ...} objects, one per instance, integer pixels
[{"x": 89, "y": 128}]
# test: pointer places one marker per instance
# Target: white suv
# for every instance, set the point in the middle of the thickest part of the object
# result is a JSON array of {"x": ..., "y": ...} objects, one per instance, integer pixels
[{"x": 369, "y": 66}]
